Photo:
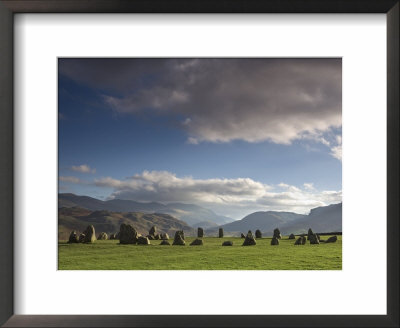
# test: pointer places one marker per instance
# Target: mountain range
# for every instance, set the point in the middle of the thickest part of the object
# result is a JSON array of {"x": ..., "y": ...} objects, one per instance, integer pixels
[
  {"x": 192, "y": 214},
  {"x": 77, "y": 218},
  {"x": 320, "y": 219},
  {"x": 76, "y": 212}
]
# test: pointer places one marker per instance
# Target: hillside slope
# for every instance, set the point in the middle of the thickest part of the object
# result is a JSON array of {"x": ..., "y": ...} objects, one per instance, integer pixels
[
  {"x": 189, "y": 213},
  {"x": 78, "y": 219},
  {"x": 265, "y": 221},
  {"x": 320, "y": 219}
]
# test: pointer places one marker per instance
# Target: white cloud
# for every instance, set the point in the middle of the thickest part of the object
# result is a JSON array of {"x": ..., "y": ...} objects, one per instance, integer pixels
[
  {"x": 288, "y": 187},
  {"x": 330, "y": 138},
  {"x": 167, "y": 187},
  {"x": 70, "y": 179},
  {"x": 233, "y": 197},
  {"x": 336, "y": 151},
  {"x": 309, "y": 186},
  {"x": 192, "y": 141},
  {"x": 83, "y": 168}
]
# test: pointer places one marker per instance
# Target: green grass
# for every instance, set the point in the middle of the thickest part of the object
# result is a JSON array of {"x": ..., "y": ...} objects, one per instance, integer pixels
[{"x": 109, "y": 255}]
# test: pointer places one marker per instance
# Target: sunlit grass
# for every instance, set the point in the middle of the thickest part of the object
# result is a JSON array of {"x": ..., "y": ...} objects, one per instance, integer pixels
[{"x": 109, "y": 255}]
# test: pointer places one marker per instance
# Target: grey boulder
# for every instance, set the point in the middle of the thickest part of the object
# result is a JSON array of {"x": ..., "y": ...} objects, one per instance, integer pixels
[
  {"x": 127, "y": 234},
  {"x": 73, "y": 238},
  {"x": 143, "y": 241},
  {"x": 332, "y": 239},
  {"x": 164, "y": 236},
  {"x": 179, "y": 238},
  {"x": 314, "y": 239},
  {"x": 249, "y": 240},
  {"x": 300, "y": 241},
  {"x": 102, "y": 236},
  {"x": 152, "y": 230},
  {"x": 81, "y": 238},
  {"x": 274, "y": 241},
  {"x": 90, "y": 234},
  {"x": 277, "y": 233},
  {"x": 197, "y": 242}
]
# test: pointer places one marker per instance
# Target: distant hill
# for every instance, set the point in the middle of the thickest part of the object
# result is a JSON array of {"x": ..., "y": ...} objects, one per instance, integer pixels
[
  {"x": 206, "y": 224},
  {"x": 189, "y": 213},
  {"x": 320, "y": 219},
  {"x": 265, "y": 221},
  {"x": 194, "y": 214},
  {"x": 77, "y": 218}
]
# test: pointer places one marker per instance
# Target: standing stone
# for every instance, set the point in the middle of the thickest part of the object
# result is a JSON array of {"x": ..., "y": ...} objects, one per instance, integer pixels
[
  {"x": 179, "y": 238},
  {"x": 197, "y": 242},
  {"x": 118, "y": 235},
  {"x": 157, "y": 236},
  {"x": 151, "y": 237},
  {"x": 165, "y": 242},
  {"x": 90, "y": 234},
  {"x": 73, "y": 238},
  {"x": 164, "y": 236},
  {"x": 242, "y": 235},
  {"x": 274, "y": 241},
  {"x": 152, "y": 231},
  {"x": 258, "y": 234},
  {"x": 300, "y": 241},
  {"x": 143, "y": 240},
  {"x": 182, "y": 234},
  {"x": 127, "y": 234},
  {"x": 313, "y": 239},
  {"x": 81, "y": 238},
  {"x": 227, "y": 243},
  {"x": 309, "y": 233},
  {"x": 277, "y": 233},
  {"x": 112, "y": 236},
  {"x": 102, "y": 236},
  {"x": 220, "y": 232},
  {"x": 292, "y": 236},
  {"x": 200, "y": 232},
  {"x": 249, "y": 240},
  {"x": 332, "y": 239}
]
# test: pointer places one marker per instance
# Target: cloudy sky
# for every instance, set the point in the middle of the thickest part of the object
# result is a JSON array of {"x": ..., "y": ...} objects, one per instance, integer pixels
[{"x": 232, "y": 135}]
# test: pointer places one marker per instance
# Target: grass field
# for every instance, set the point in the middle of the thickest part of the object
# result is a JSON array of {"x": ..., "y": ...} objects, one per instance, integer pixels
[{"x": 109, "y": 255}]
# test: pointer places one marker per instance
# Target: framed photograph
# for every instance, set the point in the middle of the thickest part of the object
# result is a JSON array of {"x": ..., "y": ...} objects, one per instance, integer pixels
[
  {"x": 198, "y": 164},
  {"x": 203, "y": 137}
]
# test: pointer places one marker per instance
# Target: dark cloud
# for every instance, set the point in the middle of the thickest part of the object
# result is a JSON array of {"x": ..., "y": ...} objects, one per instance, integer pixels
[{"x": 220, "y": 100}]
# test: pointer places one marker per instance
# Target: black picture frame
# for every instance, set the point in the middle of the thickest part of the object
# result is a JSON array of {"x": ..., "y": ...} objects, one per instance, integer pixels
[{"x": 10, "y": 7}]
